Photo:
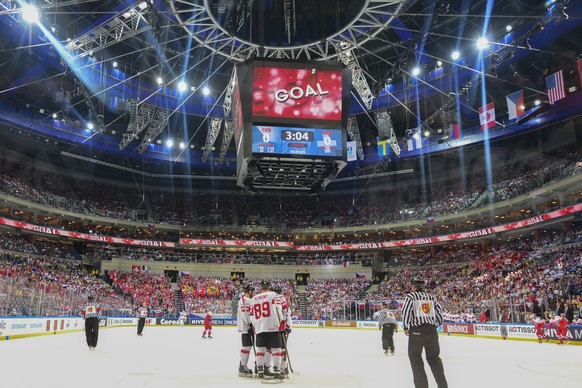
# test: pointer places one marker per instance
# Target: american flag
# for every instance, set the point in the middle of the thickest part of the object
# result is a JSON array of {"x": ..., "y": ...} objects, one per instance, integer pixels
[{"x": 555, "y": 85}]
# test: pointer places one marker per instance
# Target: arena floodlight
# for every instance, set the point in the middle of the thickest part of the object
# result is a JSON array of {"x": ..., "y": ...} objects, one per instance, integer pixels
[
  {"x": 30, "y": 13},
  {"x": 205, "y": 91},
  {"x": 90, "y": 126},
  {"x": 160, "y": 80},
  {"x": 182, "y": 145},
  {"x": 455, "y": 55},
  {"x": 182, "y": 86},
  {"x": 114, "y": 64},
  {"x": 482, "y": 43},
  {"x": 508, "y": 28},
  {"x": 416, "y": 71},
  {"x": 169, "y": 143},
  {"x": 439, "y": 63}
]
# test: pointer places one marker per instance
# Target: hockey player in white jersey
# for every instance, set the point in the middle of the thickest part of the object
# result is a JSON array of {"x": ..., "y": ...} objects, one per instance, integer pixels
[
  {"x": 183, "y": 317},
  {"x": 268, "y": 321},
  {"x": 286, "y": 317},
  {"x": 244, "y": 326}
]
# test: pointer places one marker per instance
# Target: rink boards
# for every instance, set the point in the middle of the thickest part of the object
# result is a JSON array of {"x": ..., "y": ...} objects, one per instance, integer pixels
[{"x": 20, "y": 327}]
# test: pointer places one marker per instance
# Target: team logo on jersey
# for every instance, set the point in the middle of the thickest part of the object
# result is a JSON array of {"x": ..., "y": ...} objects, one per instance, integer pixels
[
  {"x": 90, "y": 310},
  {"x": 426, "y": 307}
]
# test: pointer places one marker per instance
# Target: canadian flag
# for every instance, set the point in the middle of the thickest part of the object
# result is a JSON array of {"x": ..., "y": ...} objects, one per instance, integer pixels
[{"x": 487, "y": 116}]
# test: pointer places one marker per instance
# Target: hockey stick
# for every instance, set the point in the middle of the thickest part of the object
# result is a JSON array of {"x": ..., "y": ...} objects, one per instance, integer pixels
[
  {"x": 284, "y": 340},
  {"x": 253, "y": 340}
]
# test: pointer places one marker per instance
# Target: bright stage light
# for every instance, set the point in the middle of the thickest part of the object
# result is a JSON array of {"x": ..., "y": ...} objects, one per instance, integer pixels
[
  {"x": 205, "y": 91},
  {"x": 182, "y": 145},
  {"x": 455, "y": 55},
  {"x": 482, "y": 43},
  {"x": 160, "y": 80},
  {"x": 30, "y": 13},
  {"x": 415, "y": 71},
  {"x": 182, "y": 86},
  {"x": 169, "y": 143},
  {"x": 90, "y": 126}
]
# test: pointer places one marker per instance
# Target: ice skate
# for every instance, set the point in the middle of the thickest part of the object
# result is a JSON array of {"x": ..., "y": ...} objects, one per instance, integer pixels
[
  {"x": 203, "y": 337},
  {"x": 392, "y": 352},
  {"x": 260, "y": 372},
  {"x": 385, "y": 352},
  {"x": 210, "y": 337},
  {"x": 268, "y": 375},
  {"x": 244, "y": 371}
]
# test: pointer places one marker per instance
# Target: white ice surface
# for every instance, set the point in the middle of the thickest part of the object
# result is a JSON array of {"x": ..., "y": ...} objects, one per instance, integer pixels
[{"x": 177, "y": 357}]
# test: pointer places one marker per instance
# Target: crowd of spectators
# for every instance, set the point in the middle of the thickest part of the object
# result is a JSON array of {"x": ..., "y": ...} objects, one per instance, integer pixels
[
  {"x": 333, "y": 209},
  {"x": 41, "y": 285},
  {"x": 107, "y": 252},
  {"x": 147, "y": 287},
  {"x": 45, "y": 248},
  {"x": 332, "y": 298},
  {"x": 507, "y": 281},
  {"x": 511, "y": 280}
]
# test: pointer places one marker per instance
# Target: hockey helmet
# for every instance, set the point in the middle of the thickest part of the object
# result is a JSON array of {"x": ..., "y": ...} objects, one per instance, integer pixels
[
  {"x": 277, "y": 289},
  {"x": 265, "y": 284},
  {"x": 249, "y": 288}
]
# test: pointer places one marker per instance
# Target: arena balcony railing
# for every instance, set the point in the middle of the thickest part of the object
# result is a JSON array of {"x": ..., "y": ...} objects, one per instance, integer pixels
[{"x": 507, "y": 205}]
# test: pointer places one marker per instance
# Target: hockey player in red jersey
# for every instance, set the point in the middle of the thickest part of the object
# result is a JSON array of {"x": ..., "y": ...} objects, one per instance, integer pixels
[
  {"x": 208, "y": 325},
  {"x": 540, "y": 325},
  {"x": 561, "y": 323}
]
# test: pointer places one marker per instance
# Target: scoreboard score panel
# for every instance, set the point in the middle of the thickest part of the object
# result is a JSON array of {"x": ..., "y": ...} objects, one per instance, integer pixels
[{"x": 293, "y": 141}]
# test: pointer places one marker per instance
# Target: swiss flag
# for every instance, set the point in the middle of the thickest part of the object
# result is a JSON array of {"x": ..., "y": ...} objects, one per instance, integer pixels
[{"x": 487, "y": 116}]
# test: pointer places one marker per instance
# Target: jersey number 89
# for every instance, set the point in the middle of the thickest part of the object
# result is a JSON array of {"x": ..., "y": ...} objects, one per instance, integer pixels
[{"x": 262, "y": 310}]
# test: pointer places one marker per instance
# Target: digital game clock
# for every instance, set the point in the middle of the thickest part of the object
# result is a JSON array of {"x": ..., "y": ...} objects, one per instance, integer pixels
[{"x": 289, "y": 141}]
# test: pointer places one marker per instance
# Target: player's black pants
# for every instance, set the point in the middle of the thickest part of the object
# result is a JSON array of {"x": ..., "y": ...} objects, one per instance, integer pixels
[
  {"x": 140, "y": 325},
  {"x": 388, "y": 336},
  {"x": 425, "y": 336},
  {"x": 92, "y": 331}
]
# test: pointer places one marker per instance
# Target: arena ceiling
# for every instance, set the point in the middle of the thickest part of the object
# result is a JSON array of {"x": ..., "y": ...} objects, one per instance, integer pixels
[{"x": 79, "y": 71}]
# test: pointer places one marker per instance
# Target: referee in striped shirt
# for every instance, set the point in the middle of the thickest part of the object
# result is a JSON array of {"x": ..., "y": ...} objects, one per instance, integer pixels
[
  {"x": 388, "y": 325},
  {"x": 421, "y": 315}
]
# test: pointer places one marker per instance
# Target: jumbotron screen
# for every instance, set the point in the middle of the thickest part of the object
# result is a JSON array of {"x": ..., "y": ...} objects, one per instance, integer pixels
[
  {"x": 301, "y": 107},
  {"x": 297, "y": 94}
]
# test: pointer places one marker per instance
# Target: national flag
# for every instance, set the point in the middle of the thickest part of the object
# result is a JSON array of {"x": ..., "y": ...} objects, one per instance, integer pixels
[
  {"x": 351, "y": 147},
  {"x": 555, "y": 85},
  {"x": 429, "y": 220},
  {"x": 579, "y": 63},
  {"x": 487, "y": 116},
  {"x": 151, "y": 226},
  {"x": 515, "y": 105},
  {"x": 414, "y": 143},
  {"x": 455, "y": 131},
  {"x": 145, "y": 268},
  {"x": 383, "y": 147},
  {"x": 360, "y": 275},
  {"x": 184, "y": 273},
  {"x": 135, "y": 269}
]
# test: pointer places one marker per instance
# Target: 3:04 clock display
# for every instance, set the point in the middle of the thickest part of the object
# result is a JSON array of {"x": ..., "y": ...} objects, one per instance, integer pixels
[
  {"x": 289, "y": 135},
  {"x": 296, "y": 141}
]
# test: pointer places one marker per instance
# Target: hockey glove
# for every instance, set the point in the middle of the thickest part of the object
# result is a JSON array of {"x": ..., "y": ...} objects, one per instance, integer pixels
[{"x": 282, "y": 325}]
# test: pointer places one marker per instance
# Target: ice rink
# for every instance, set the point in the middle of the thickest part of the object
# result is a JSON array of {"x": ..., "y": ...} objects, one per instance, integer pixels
[{"x": 178, "y": 357}]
